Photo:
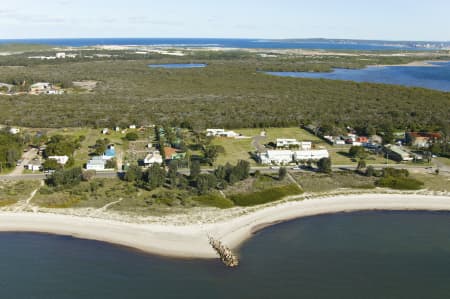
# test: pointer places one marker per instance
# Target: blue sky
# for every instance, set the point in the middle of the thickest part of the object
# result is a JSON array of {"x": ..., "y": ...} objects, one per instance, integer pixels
[{"x": 375, "y": 19}]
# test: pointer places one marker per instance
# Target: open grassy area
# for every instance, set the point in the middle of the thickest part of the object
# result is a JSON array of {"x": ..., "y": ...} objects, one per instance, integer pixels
[
  {"x": 235, "y": 150},
  {"x": 11, "y": 191},
  {"x": 433, "y": 182}
]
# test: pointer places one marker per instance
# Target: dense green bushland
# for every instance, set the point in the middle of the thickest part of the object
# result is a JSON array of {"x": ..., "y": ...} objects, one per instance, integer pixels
[{"x": 228, "y": 93}]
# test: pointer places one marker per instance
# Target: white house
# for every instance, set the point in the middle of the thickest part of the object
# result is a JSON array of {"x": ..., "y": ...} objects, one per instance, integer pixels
[
  {"x": 61, "y": 55},
  {"x": 221, "y": 133},
  {"x": 34, "y": 166},
  {"x": 41, "y": 86},
  {"x": 314, "y": 155},
  {"x": 132, "y": 126},
  {"x": 62, "y": 160},
  {"x": 96, "y": 163},
  {"x": 14, "y": 131},
  {"x": 152, "y": 158},
  {"x": 286, "y": 143},
  {"x": 276, "y": 157},
  {"x": 105, "y": 131}
]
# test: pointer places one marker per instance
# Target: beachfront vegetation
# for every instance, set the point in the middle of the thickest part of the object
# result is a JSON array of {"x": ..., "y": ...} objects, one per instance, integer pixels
[
  {"x": 398, "y": 179},
  {"x": 266, "y": 196},
  {"x": 11, "y": 191}
]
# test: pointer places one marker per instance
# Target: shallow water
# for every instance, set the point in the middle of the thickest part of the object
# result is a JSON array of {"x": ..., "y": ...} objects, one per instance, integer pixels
[
  {"x": 435, "y": 77},
  {"x": 359, "y": 255}
]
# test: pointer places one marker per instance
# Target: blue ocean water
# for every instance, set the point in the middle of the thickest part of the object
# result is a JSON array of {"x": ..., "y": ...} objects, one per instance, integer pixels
[
  {"x": 178, "y": 65},
  {"x": 358, "y": 255},
  {"x": 212, "y": 42},
  {"x": 432, "y": 77}
]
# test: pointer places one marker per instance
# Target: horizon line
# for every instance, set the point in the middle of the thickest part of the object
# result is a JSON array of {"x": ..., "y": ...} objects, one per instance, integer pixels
[{"x": 226, "y": 38}]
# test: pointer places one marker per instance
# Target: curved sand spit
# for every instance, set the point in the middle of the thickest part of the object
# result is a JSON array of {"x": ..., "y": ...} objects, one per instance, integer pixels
[{"x": 191, "y": 241}]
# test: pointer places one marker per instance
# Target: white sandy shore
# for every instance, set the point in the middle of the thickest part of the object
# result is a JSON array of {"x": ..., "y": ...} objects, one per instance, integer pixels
[{"x": 191, "y": 241}]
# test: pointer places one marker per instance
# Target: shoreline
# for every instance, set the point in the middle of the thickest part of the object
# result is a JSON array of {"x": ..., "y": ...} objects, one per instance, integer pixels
[
  {"x": 191, "y": 240},
  {"x": 421, "y": 63}
]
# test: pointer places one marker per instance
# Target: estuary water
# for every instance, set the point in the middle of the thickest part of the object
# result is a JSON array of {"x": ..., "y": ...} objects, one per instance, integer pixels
[
  {"x": 358, "y": 255},
  {"x": 436, "y": 76}
]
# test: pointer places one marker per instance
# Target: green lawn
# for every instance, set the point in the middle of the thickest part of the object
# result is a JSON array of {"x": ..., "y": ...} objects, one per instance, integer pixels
[{"x": 235, "y": 150}]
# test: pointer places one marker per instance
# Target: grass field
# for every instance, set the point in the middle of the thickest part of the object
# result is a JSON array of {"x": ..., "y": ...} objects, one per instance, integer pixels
[
  {"x": 328, "y": 182},
  {"x": 433, "y": 182},
  {"x": 235, "y": 150}
]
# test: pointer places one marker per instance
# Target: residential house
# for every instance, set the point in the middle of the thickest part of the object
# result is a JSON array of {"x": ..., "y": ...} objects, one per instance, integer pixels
[
  {"x": 221, "y": 133},
  {"x": 173, "y": 154},
  {"x": 422, "y": 139},
  {"x": 152, "y": 158},
  {"x": 97, "y": 163},
  {"x": 397, "y": 153},
  {"x": 276, "y": 157},
  {"x": 40, "y": 87},
  {"x": 288, "y": 143},
  {"x": 61, "y": 55},
  {"x": 110, "y": 153},
  {"x": 34, "y": 166},
  {"x": 314, "y": 155},
  {"x": 105, "y": 131},
  {"x": 62, "y": 160},
  {"x": 14, "y": 131}
]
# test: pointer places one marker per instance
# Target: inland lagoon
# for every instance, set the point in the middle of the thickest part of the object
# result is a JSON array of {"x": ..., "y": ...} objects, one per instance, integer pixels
[{"x": 435, "y": 75}]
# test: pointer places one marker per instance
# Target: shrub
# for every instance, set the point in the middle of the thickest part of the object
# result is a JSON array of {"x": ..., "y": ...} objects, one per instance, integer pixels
[
  {"x": 214, "y": 200},
  {"x": 399, "y": 183},
  {"x": 132, "y": 136},
  {"x": 266, "y": 196}
]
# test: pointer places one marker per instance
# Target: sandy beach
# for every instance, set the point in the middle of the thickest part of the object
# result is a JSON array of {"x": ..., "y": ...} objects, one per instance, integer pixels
[{"x": 191, "y": 240}]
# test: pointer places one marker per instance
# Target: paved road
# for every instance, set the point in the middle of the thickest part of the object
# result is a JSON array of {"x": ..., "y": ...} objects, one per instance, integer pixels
[{"x": 26, "y": 159}]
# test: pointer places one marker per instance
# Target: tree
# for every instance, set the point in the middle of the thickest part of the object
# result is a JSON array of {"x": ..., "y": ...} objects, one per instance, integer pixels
[
  {"x": 370, "y": 171},
  {"x": 282, "y": 172},
  {"x": 132, "y": 136},
  {"x": 51, "y": 164},
  {"x": 324, "y": 165},
  {"x": 155, "y": 176},
  {"x": 172, "y": 174},
  {"x": 361, "y": 164},
  {"x": 133, "y": 174},
  {"x": 205, "y": 182},
  {"x": 211, "y": 154},
  {"x": 100, "y": 146},
  {"x": 357, "y": 152},
  {"x": 194, "y": 170},
  {"x": 65, "y": 178}
]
